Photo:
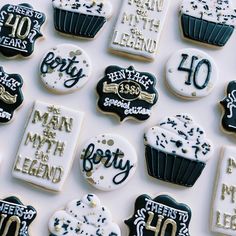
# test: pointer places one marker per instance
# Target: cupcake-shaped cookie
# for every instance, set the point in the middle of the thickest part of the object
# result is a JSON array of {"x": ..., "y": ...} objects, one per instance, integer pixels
[
  {"x": 177, "y": 150},
  {"x": 83, "y": 18},
  {"x": 208, "y": 21}
]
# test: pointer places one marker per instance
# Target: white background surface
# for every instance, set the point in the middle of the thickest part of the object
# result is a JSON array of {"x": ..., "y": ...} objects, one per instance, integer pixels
[{"x": 121, "y": 202}]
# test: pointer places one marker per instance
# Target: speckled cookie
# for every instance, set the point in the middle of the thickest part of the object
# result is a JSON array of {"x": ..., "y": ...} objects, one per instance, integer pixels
[
  {"x": 108, "y": 161},
  {"x": 83, "y": 217},
  {"x": 210, "y": 21},
  {"x": 177, "y": 150},
  {"x": 65, "y": 68},
  {"x": 191, "y": 73}
]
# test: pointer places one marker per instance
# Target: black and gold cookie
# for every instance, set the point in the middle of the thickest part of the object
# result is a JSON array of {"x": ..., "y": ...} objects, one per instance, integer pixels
[
  {"x": 15, "y": 217},
  {"x": 19, "y": 28},
  {"x": 161, "y": 216},
  {"x": 127, "y": 93},
  {"x": 11, "y": 96}
]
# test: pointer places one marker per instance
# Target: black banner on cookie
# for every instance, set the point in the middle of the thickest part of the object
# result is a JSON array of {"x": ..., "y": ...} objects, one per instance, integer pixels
[
  {"x": 159, "y": 216},
  {"x": 15, "y": 217},
  {"x": 11, "y": 96},
  {"x": 19, "y": 28},
  {"x": 127, "y": 93}
]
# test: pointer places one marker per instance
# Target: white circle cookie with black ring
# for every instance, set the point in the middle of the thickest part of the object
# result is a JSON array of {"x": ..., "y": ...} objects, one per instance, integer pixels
[
  {"x": 108, "y": 161},
  {"x": 191, "y": 73},
  {"x": 65, "y": 68}
]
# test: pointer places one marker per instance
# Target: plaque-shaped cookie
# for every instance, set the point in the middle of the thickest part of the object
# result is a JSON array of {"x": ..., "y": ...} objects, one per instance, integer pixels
[
  {"x": 127, "y": 93},
  {"x": 15, "y": 217},
  {"x": 47, "y": 148},
  {"x": 20, "y": 27},
  {"x": 11, "y": 96}
]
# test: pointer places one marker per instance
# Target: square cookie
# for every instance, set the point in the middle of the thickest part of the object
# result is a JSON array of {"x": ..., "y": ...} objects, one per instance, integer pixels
[{"x": 47, "y": 148}]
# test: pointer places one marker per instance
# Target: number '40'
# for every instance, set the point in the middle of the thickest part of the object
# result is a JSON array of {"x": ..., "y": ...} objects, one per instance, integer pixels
[
  {"x": 194, "y": 70},
  {"x": 20, "y": 26}
]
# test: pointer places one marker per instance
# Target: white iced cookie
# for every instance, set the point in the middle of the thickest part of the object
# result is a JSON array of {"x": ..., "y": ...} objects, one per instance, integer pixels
[
  {"x": 138, "y": 28},
  {"x": 180, "y": 135},
  {"x": 84, "y": 217},
  {"x": 191, "y": 73},
  {"x": 223, "y": 208},
  {"x": 210, "y": 10},
  {"x": 108, "y": 161},
  {"x": 47, "y": 148},
  {"x": 65, "y": 68}
]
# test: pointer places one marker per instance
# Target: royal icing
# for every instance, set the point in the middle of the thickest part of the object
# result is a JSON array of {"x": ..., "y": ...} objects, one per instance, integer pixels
[
  {"x": 159, "y": 216},
  {"x": 191, "y": 73},
  {"x": 229, "y": 104},
  {"x": 108, "y": 161},
  {"x": 83, "y": 217},
  {"x": 20, "y": 26},
  {"x": 90, "y": 7},
  {"x": 11, "y": 96},
  {"x": 138, "y": 28},
  {"x": 127, "y": 93},
  {"x": 218, "y": 11},
  {"x": 15, "y": 218},
  {"x": 180, "y": 135},
  {"x": 47, "y": 148},
  {"x": 65, "y": 68},
  {"x": 223, "y": 210}
]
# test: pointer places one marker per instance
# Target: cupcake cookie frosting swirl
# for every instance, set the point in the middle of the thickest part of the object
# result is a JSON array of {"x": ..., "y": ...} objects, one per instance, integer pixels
[
  {"x": 93, "y": 7},
  {"x": 179, "y": 135},
  {"x": 218, "y": 11}
]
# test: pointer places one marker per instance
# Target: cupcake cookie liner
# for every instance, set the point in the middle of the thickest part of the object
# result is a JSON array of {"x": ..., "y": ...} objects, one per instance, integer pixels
[
  {"x": 172, "y": 168},
  {"x": 77, "y": 24},
  {"x": 205, "y": 31}
]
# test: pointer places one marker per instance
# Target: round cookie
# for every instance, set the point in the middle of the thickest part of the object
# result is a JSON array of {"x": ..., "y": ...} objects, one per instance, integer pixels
[
  {"x": 65, "y": 68},
  {"x": 191, "y": 73},
  {"x": 127, "y": 93},
  {"x": 108, "y": 161},
  {"x": 84, "y": 217},
  {"x": 20, "y": 27}
]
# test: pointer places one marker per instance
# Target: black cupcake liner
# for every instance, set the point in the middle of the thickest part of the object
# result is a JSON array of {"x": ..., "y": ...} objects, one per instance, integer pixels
[
  {"x": 77, "y": 24},
  {"x": 205, "y": 31},
  {"x": 172, "y": 168}
]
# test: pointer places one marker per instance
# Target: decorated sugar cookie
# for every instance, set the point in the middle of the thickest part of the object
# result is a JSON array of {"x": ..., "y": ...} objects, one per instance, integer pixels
[
  {"x": 83, "y": 18},
  {"x": 138, "y": 28},
  {"x": 228, "y": 122},
  {"x": 191, "y": 73},
  {"x": 223, "y": 208},
  {"x": 160, "y": 216},
  {"x": 11, "y": 96},
  {"x": 20, "y": 27},
  {"x": 127, "y": 93},
  {"x": 209, "y": 21},
  {"x": 65, "y": 68},
  {"x": 177, "y": 150},
  {"x": 15, "y": 217},
  {"x": 48, "y": 145},
  {"x": 108, "y": 161},
  {"x": 83, "y": 217}
]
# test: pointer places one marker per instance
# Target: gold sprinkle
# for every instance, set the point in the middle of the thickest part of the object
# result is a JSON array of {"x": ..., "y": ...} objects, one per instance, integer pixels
[{"x": 110, "y": 142}]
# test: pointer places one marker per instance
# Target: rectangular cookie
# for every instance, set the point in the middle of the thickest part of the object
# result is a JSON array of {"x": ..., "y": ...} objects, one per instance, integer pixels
[
  {"x": 138, "y": 28},
  {"x": 47, "y": 148},
  {"x": 224, "y": 210}
]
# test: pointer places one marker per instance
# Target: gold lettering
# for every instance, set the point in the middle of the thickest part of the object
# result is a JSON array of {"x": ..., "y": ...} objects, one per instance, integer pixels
[
  {"x": 231, "y": 165},
  {"x": 166, "y": 223},
  {"x": 11, "y": 220},
  {"x": 229, "y": 190},
  {"x": 17, "y": 163},
  {"x": 26, "y": 166},
  {"x": 148, "y": 225},
  {"x": 60, "y": 147},
  {"x": 57, "y": 175},
  {"x": 38, "y": 117},
  {"x": 67, "y": 123},
  {"x": 3, "y": 216}
]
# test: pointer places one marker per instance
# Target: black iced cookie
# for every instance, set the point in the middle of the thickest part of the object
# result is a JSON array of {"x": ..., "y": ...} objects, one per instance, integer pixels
[
  {"x": 11, "y": 96},
  {"x": 161, "y": 216},
  {"x": 19, "y": 28},
  {"x": 229, "y": 104},
  {"x": 15, "y": 217},
  {"x": 127, "y": 93}
]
